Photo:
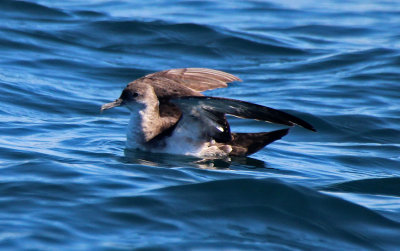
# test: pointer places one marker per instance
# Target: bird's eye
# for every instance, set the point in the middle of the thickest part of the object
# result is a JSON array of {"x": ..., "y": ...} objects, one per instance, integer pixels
[{"x": 135, "y": 94}]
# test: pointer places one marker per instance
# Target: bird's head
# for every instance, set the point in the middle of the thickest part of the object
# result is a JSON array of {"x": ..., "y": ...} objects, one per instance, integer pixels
[{"x": 134, "y": 95}]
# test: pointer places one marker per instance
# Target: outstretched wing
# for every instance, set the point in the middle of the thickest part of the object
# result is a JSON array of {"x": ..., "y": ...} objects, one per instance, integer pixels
[
  {"x": 197, "y": 79},
  {"x": 184, "y": 82},
  {"x": 242, "y": 109}
]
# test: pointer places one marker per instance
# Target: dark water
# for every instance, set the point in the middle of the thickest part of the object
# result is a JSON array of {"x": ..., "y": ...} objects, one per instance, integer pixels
[{"x": 68, "y": 183}]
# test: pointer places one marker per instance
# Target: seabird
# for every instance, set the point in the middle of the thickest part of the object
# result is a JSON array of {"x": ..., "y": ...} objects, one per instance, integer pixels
[{"x": 168, "y": 113}]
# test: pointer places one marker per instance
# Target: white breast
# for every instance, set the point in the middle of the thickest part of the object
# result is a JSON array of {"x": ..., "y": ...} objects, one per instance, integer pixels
[
  {"x": 134, "y": 133},
  {"x": 188, "y": 138}
]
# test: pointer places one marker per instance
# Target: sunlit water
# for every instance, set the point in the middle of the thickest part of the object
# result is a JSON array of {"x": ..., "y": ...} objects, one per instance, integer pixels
[{"x": 68, "y": 182}]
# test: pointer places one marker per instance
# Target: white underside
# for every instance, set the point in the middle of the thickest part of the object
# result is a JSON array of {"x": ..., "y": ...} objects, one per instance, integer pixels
[{"x": 185, "y": 140}]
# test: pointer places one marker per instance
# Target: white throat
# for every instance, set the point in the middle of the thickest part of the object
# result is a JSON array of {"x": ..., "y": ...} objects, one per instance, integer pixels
[{"x": 144, "y": 124}]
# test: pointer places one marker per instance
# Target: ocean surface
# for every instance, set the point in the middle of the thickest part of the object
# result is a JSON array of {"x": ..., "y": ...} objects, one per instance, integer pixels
[{"x": 68, "y": 183}]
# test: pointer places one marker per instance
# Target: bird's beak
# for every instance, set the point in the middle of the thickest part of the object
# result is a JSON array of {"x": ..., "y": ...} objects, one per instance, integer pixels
[{"x": 117, "y": 102}]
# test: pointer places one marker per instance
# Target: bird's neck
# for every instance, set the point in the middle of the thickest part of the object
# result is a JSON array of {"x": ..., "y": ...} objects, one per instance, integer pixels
[{"x": 144, "y": 123}]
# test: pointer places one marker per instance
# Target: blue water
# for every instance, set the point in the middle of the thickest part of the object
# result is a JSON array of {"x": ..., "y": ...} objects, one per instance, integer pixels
[{"x": 67, "y": 181}]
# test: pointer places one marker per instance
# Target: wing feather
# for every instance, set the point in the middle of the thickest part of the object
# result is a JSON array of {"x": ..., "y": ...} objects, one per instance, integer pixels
[
  {"x": 240, "y": 109},
  {"x": 197, "y": 79}
]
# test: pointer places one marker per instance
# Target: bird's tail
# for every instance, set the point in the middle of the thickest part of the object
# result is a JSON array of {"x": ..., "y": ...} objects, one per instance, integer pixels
[{"x": 244, "y": 144}]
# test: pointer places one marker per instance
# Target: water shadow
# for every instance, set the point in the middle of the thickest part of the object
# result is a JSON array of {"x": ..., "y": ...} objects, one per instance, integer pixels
[{"x": 172, "y": 160}]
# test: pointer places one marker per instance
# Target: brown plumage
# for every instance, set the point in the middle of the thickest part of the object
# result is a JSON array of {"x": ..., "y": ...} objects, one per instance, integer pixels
[
  {"x": 168, "y": 106},
  {"x": 197, "y": 79}
]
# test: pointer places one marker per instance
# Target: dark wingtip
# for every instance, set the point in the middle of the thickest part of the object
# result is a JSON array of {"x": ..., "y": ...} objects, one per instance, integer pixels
[
  {"x": 298, "y": 121},
  {"x": 308, "y": 126}
]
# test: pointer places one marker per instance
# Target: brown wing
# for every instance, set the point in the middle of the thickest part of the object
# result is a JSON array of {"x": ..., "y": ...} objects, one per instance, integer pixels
[
  {"x": 197, "y": 79},
  {"x": 176, "y": 83}
]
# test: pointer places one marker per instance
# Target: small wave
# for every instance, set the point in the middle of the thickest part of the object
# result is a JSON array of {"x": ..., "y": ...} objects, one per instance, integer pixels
[
  {"x": 328, "y": 30},
  {"x": 29, "y": 9},
  {"x": 350, "y": 61},
  {"x": 255, "y": 209},
  {"x": 379, "y": 186},
  {"x": 183, "y": 34}
]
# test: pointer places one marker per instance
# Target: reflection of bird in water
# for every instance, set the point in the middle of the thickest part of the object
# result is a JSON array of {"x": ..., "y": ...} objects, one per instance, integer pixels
[
  {"x": 169, "y": 114},
  {"x": 168, "y": 160}
]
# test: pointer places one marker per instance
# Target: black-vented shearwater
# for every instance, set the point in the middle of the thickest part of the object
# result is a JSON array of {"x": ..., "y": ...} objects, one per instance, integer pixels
[{"x": 170, "y": 114}]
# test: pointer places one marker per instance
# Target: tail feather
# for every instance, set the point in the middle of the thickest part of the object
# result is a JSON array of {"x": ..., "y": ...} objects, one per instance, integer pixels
[{"x": 244, "y": 144}]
